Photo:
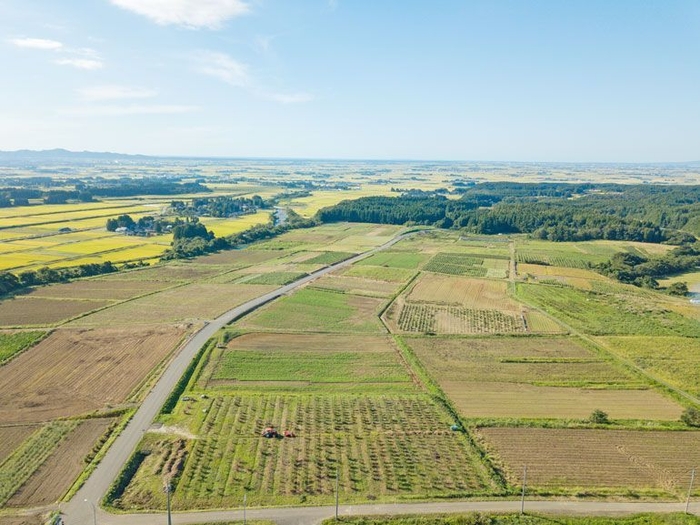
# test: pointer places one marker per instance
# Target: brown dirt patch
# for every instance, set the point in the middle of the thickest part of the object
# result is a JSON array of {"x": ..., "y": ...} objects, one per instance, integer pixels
[
  {"x": 55, "y": 476},
  {"x": 33, "y": 519},
  {"x": 100, "y": 289},
  {"x": 577, "y": 458},
  {"x": 28, "y": 311},
  {"x": 479, "y": 294},
  {"x": 74, "y": 371},
  {"x": 11, "y": 437}
]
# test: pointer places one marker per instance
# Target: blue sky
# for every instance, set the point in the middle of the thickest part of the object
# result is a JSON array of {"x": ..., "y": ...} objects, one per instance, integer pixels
[{"x": 564, "y": 80}]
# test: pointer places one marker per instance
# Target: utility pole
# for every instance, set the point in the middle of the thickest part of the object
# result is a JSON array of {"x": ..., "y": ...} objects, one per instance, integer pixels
[
  {"x": 245, "y": 498},
  {"x": 337, "y": 481},
  {"x": 522, "y": 498},
  {"x": 168, "y": 489},
  {"x": 690, "y": 490}
]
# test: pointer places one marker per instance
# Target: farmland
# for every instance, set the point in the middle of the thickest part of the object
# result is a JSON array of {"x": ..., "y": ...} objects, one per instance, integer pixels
[
  {"x": 318, "y": 310},
  {"x": 304, "y": 362},
  {"x": 382, "y": 445},
  {"x": 597, "y": 460},
  {"x": 83, "y": 361},
  {"x": 536, "y": 378},
  {"x": 461, "y": 340}
]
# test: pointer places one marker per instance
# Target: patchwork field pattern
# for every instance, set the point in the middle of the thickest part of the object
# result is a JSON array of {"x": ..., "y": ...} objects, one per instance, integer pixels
[
  {"x": 597, "y": 459},
  {"x": 83, "y": 362},
  {"x": 383, "y": 446}
]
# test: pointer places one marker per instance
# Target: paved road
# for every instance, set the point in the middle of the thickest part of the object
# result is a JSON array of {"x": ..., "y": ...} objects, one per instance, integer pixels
[
  {"x": 314, "y": 515},
  {"x": 78, "y": 511}
]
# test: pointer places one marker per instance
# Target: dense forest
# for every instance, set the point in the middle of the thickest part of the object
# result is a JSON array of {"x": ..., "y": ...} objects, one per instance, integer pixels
[{"x": 554, "y": 211}]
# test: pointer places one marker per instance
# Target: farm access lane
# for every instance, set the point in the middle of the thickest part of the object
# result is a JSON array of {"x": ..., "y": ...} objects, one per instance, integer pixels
[{"x": 79, "y": 510}]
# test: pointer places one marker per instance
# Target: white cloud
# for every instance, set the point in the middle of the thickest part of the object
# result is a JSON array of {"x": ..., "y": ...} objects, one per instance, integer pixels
[
  {"x": 37, "y": 43},
  {"x": 132, "y": 109},
  {"x": 290, "y": 98},
  {"x": 94, "y": 93},
  {"x": 223, "y": 67},
  {"x": 81, "y": 63},
  {"x": 193, "y": 14}
]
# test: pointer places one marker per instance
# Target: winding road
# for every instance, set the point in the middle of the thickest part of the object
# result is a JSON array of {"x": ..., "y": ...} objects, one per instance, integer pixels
[
  {"x": 83, "y": 509},
  {"x": 79, "y": 510}
]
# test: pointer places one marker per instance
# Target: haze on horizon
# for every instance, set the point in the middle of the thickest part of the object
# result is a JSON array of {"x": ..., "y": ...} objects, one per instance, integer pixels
[{"x": 543, "y": 80}]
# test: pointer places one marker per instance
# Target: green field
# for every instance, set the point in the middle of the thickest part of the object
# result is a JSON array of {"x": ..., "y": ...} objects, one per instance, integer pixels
[
  {"x": 608, "y": 314},
  {"x": 319, "y": 310},
  {"x": 391, "y": 259},
  {"x": 13, "y": 342}
]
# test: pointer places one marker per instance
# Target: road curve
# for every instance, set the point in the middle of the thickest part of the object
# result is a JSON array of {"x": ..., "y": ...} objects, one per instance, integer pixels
[{"x": 79, "y": 510}]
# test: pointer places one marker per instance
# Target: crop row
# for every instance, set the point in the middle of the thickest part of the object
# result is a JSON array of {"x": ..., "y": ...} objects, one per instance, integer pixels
[
  {"x": 17, "y": 468},
  {"x": 454, "y": 319}
]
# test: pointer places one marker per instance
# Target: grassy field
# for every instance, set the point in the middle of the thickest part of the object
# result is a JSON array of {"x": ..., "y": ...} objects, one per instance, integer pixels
[
  {"x": 675, "y": 360},
  {"x": 317, "y": 310},
  {"x": 588, "y": 460},
  {"x": 389, "y": 259},
  {"x": 14, "y": 342},
  {"x": 306, "y": 362},
  {"x": 519, "y": 519},
  {"x": 537, "y": 377},
  {"x": 600, "y": 313}
]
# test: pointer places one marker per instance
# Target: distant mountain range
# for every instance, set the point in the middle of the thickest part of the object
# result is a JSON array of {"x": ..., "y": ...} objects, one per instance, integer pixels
[
  {"x": 60, "y": 155},
  {"x": 27, "y": 155}
]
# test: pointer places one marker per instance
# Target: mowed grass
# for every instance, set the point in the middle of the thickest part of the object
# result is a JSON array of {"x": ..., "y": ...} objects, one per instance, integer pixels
[
  {"x": 14, "y": 342},
  {"x": 356, "y": 285},
  {"x": 599, "y": 313},
  {"x": 380, "y": 273},
  {"x": 583, "y": 460},
  {"x": 386, "y": 447},
  {"x": 312, "y": 310},
  {"x": 538, "y": 377},
  {"x": 307, "y": 362},
  {"x": 675, "y": 360},
  {"x": 389, "y": 259},
  {"x": 276, "y": 278}
]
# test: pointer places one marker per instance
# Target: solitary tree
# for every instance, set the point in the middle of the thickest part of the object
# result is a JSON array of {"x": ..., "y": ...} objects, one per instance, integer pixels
[{"x": 599, "y": 417}]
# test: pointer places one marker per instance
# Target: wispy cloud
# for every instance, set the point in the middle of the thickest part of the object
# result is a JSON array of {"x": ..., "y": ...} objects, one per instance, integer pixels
[
  {"x": 223, "y": 67},
  {"x": 131, "y": 109},
  {"x": 237, "y": 74},
  {"x": 289, "y": 98},
  {"x": 81, "y": 63},
  {"x": 193, "y": 14},
  {"x": 96, "y": 93},
  {"x": 36, "y": 43}
]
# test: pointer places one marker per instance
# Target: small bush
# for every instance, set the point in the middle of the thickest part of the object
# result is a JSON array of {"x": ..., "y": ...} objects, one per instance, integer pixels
[
  {"x": 599, "y": 417},
  {"x": 691, "y": 417}
]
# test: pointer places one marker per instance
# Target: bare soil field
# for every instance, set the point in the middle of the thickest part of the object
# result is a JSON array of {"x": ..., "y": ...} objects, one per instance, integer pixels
[
  {"x": 55, "y": 476},
  {"x": 74, "y": 371},
  {"x": 107, "y": 290},
  {"x": 240, "y": 258},
  {"x": 11, "y": 437},
  {"x": 588, "y": 459},
  {"x": 519, "y": 400},
  {"x": 479, "y": 294},
  {"x": 28, "y": 311},
  {"x": 190, "y": 302},
  {"x": 34, "y": 519}
]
